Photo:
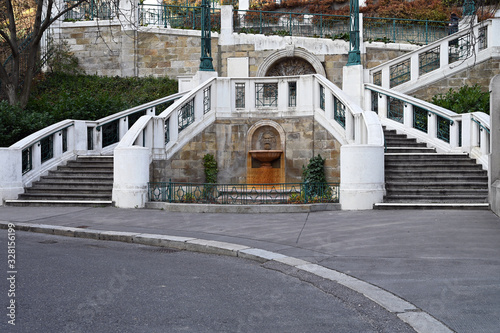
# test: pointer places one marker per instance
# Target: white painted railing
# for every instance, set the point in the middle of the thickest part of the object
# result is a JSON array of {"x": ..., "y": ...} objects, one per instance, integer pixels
[
  {"x": 440, "y": 128},
  {"x": 441, "y": 58},
  {"x": 222, "y": 98},
  {"x": 28, "y": 159}
]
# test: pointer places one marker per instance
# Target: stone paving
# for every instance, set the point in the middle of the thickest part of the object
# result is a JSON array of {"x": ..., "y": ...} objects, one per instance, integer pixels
[{"x": 444, "y": 262}]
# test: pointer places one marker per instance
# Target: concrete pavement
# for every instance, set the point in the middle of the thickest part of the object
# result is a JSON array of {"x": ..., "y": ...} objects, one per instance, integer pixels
[{"x": 437, "y": 270}]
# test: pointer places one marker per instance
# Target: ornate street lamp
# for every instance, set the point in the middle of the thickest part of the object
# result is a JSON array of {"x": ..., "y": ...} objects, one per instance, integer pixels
[
  {"x": 206, "y": 41},
  {"x": 354, "y": 54}
]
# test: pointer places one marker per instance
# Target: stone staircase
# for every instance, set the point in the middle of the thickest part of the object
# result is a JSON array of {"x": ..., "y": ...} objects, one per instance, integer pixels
[
  {"x": 418, "y": 177},
  {"x": 86, "y": 181}
]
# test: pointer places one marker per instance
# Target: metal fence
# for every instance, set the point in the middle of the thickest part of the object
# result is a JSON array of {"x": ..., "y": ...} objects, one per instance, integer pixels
[
  {"x": 291, "y": 24},
  {"x": 244, "y": 194},
  {"x": 94, "y": 9},
  {"x": 397, "y": 30},
  {"x": 177, "y": 17}
]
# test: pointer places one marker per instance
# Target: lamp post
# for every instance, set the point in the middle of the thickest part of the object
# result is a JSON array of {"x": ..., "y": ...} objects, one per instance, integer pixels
[
  {"x": 206, "y": 41},
  {"x": 469, "y": 8},
  {"x": 354, "y": 54}
]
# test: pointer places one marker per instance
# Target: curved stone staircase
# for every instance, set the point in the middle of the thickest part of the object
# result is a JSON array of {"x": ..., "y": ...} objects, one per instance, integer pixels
[
  {"x": 86, "y": 181},
  {"x": 418, "y": 177}
]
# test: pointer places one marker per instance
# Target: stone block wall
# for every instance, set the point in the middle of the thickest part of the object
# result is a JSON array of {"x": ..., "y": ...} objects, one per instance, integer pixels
[
  {"x": 108, "y": 50},
  {"x": 226, "y": 140},
  {"x": 98, "y": 48}
]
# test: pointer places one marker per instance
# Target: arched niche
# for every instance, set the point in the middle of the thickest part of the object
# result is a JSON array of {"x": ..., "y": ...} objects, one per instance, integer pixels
[
  {"x": 263, "y": 137},
  {"x": 309, "y": 64}
]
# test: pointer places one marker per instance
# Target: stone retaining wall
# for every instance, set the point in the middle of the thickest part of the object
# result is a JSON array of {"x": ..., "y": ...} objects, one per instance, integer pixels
[{"x": 108, "y": 50}]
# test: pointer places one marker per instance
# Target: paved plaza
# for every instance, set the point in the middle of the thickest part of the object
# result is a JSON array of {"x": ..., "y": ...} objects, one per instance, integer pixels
[{"x": 444, "y": 262}]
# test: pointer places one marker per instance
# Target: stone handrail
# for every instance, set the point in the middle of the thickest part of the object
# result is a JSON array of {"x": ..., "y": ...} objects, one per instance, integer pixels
[
  {"x": 440, "y": 128},
  {"x": 432, "y": 62},
  {"x": 26, "y": 160}
]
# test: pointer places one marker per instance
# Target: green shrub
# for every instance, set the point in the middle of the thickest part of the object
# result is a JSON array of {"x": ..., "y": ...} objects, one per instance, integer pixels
[
  {"x": 464, "y": 100},
  {"x": 314, "y": 178},
  {"x": 59, "y": 96},
  {"x": 210, "y": 165}
]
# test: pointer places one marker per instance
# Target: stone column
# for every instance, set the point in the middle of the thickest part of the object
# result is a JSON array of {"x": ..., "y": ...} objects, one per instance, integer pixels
[
  {"x": 131, "y": 177},
  {"x": 494, "y": 160},
  {"x": 11, "y": 179},
  {"x": 361, "y": 186}
]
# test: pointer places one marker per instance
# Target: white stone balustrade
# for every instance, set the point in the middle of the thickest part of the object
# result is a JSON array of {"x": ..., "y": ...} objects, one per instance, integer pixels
[
  {"x": 480, "y": 49},
  {"x": 468, "y": 133},
  {"x": 362, "y": 132}
]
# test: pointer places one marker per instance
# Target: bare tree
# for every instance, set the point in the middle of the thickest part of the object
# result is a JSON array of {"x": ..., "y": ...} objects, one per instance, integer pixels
[{"x": 22, "y": 25}]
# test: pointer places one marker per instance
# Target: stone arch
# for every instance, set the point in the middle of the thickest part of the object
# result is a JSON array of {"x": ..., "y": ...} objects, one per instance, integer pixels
[
  {"x": 264, "y": 123},
  {"x": 257, "y": 171},
  {"x": 290, "y": 53}
]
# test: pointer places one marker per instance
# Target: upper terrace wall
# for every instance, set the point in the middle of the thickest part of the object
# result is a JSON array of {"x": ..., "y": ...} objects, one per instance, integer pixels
[{"x": 109, "y": 50}]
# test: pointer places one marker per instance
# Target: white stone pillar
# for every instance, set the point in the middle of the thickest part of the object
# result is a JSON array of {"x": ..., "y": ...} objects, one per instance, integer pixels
[
  {"x": 159, "y": 139},
  {"x": 243, "y": 4},
  {"x": 467, "y": 132},
  {"x": 494, "y": 160},
  {"x": 352, "y": 83},
  {"x": 361, "y": 176},
  {"x": 226, "y": 25},
  {"x": 11, "y": 178},
  {"x": 80, "y": 137},
  {"x": 131, "y": 176}
]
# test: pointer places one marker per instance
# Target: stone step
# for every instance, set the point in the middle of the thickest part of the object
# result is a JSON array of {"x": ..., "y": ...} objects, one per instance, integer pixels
[
  {"x": 428, "y": 157},
  {"x": 106, "y": 158},
  {"x": 403, "y": 143},
  {"x": 87, "y": 181},
  {"x": 82, "y": 173},
  {"x": 452, "y": 167},
  {"x": 423, "y": 205},
  {"x": 437, "y": 198},
  {"x": 434, "y": 185},
  {"x": 72, "y": 182},
  {"x": 58, "y": 203},
  {"x": 419, "y": 177},
  {"x": 409, "y": 150},
  {"x": 65, "y": 196},
  {"x": 66, "y": 189},
  {"x": 430, "y": 173},
  {"x": 473, "y": 193},
  {"x": 89, "y": 164}
]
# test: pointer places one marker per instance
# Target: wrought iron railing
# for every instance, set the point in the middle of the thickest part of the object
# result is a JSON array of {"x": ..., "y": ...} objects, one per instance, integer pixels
[
  {"x": 290, "y": 24},
  {"x": 397, "y": 30},
  {"x": 177, "y": 17},
  {"x": 244, "y": 194},
  {"x": 94, "y": 9}
]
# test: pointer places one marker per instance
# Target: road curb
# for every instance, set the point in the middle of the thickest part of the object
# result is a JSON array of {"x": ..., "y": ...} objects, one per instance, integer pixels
[{"x": 419, "y": 320}]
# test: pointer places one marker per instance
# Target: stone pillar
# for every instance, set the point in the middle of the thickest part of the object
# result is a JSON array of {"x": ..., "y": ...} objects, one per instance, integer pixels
[
  {"x": 243, "y": 4},
  {"x": 11, "y": 178},
  {"x": 361, "y": 176},
  {"x": 131, "y": 177},
  {"x": 352, "y": 83},
  {"x": 494, "y": 160},
  {"x": 226, "y": 25}
]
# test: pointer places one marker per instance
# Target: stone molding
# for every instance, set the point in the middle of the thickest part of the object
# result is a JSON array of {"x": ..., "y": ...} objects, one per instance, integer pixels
[
  {"x": 290, "y": 52},
  {"x": 262, "y": 123}
]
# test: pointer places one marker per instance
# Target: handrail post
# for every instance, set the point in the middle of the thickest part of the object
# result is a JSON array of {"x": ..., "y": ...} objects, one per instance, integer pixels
[
  {"x": 170, "y": 190},
  {"x": 260, "y": 24}
]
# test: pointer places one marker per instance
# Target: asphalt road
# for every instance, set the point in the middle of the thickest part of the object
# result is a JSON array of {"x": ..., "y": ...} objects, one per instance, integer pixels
[{"x": 78, "y": 285}]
